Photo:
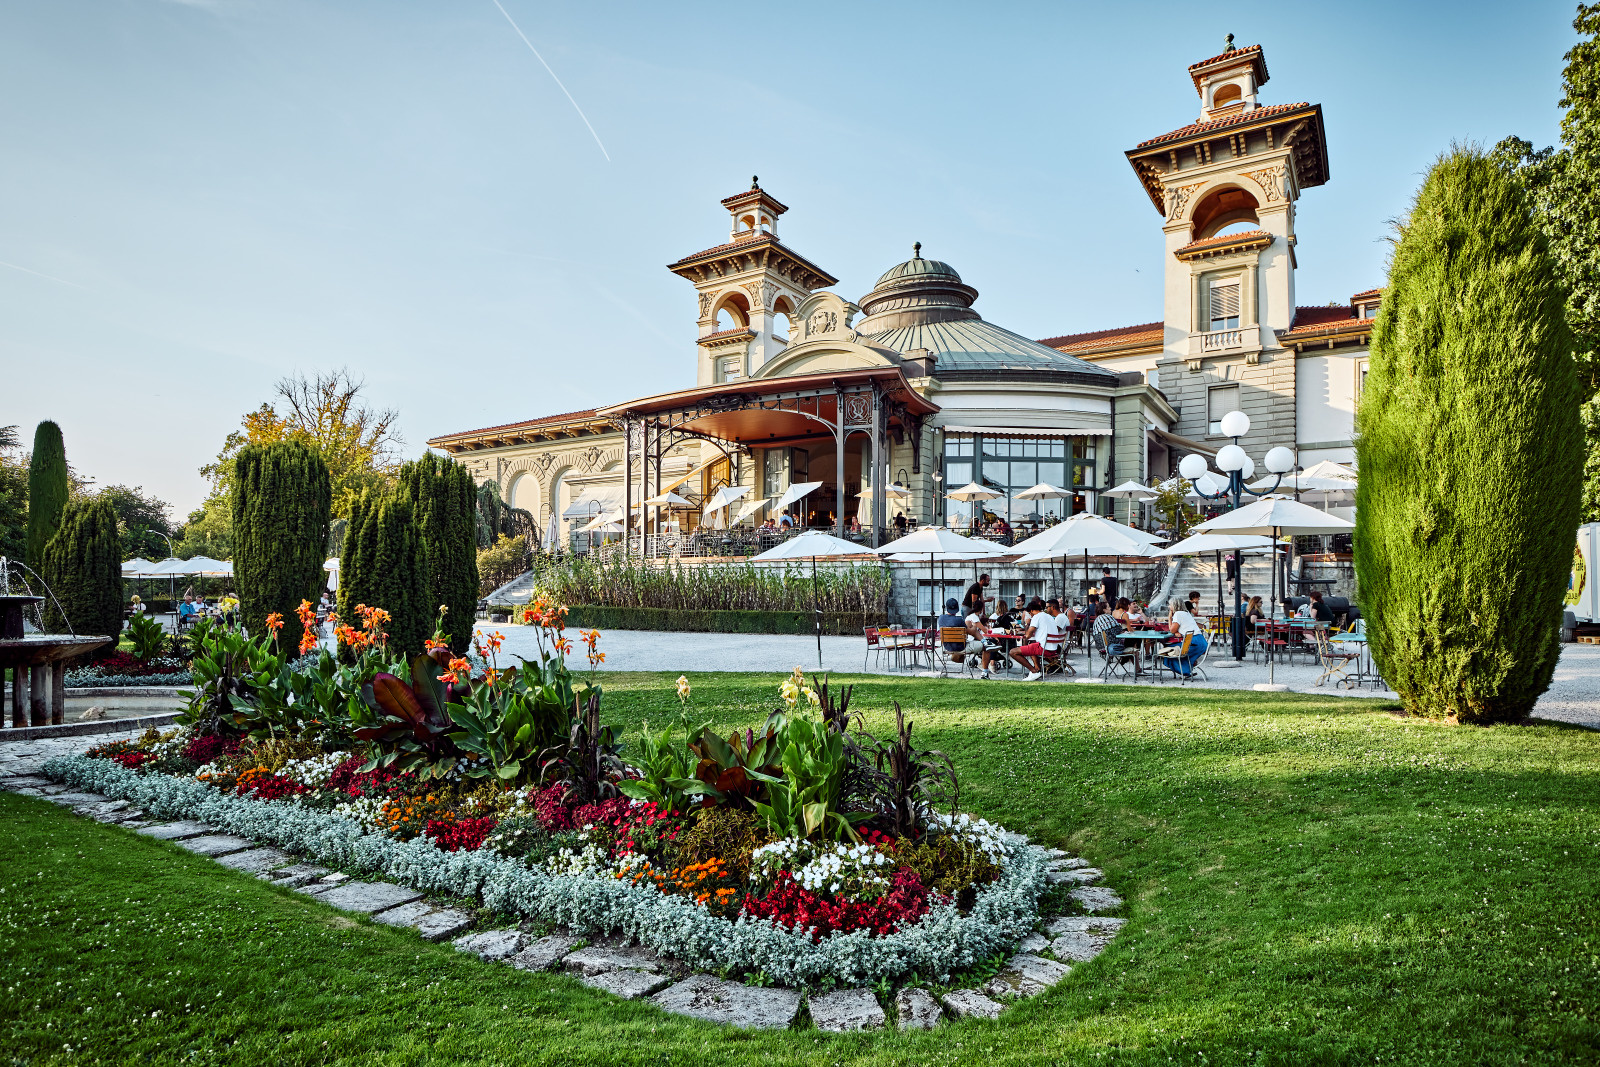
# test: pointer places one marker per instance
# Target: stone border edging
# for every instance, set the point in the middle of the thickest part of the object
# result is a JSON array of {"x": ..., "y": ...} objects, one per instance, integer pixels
[
  {"x": 90, "y": 726},
  {"x": 633, "y": 973},
  {"x": 125, "y": 691}
]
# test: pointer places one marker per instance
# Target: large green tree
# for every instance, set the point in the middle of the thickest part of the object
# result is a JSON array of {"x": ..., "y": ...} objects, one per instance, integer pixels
[
  {"x": 445, "y": 501},
  {"x": 49, "y": 486},
  {"x": 1468, "y": 499},
  {"x": 385, "y": 565},
  {"x": 13, "y": 497},
  {"x": 82, "y": 565},
  {"x": 1565, "y": 186},
  {"x": 142, "y": 520},
  {"x": 281, "y": 501},
  {"x": 208, "y": 531}
]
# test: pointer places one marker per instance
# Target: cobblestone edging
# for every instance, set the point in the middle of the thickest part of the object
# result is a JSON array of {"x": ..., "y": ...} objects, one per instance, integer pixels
[
  {"x": 632, "y": 972},
  {"x": 88, "y": 727}
]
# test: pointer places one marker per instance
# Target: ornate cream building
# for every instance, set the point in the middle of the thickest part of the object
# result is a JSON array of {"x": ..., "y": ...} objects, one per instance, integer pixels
[{"x": 912, "y": 387}]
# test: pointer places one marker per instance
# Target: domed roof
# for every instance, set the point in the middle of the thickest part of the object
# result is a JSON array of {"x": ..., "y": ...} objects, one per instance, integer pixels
[{"x": 917, "y": 266}]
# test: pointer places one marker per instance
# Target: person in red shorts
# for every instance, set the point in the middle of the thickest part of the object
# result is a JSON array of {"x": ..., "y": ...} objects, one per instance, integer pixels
[{"x": 1041, "y": 628}]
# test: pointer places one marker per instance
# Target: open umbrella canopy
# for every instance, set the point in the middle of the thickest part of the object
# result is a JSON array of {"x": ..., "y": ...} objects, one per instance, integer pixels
[
  {"x": 892, "y": 492},
  {"x": 1327, "y": 468},
  {"x": 137, "y": 567},
  {"x": 1085, "y": 530},
  {"x": 936, "y": 541},
  {"x": 751, "y": 508},
  {"x": 601, "y": 523},
  {"x": 1216, "y": 542},
  {"x": 1044, "y": 491},
  {"x": 725, "y": 496},
  {"x": 170, "y": 565},
  {"x": 668, "y": 499},
  {"x": 796, "y": 492},
  {"x": 812, "y": 544},
  {"x": 205, "y": 566},
  {"x": 1208, "y": 484},
  {"x": 1303, "y": 482},
  {"x": 1275, "y": 515},
  {"x": 973, "y": 491},
  {"x": 1133, "y": 490}
]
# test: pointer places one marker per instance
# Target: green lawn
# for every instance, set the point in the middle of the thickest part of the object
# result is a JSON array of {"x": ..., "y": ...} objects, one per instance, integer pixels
[{"x": 1309, "y": 880}]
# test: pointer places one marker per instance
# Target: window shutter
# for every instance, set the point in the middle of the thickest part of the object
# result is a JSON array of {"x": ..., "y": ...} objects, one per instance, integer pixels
[{"x": 1225, "y": 301}]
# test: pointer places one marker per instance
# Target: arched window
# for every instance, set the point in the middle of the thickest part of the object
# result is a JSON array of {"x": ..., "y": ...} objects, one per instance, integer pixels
[
  {"x": 733, "y": 312},
  {"x": 782, "y": 318},
  {"x": 1225, "y": 95},
  {"x": 748, "y": 222},
  {"x": 1221, "y": 210}
]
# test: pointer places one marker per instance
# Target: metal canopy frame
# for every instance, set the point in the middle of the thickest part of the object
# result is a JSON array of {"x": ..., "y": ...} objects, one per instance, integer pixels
[{"x": 872, "y": 403}]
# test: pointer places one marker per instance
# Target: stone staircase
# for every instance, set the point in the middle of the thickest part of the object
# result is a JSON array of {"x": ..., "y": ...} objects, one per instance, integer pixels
[
  {"x": 1199, "y": 574},
  {"x": 516, "y": 592}
]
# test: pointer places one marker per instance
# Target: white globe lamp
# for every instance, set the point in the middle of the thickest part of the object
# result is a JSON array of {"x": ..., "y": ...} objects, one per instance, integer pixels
[
  {"x": 1235, "y": 424},
  {"x": 1280, "y": 460},
  {"x": 1231, "y": 458},
  {"x": 1249, "y": 469},
  {"x": 1192, "y": 466}
]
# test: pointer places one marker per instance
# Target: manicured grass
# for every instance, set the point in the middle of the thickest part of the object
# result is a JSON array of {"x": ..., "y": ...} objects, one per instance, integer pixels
[{"x": 1309, "y": 880}]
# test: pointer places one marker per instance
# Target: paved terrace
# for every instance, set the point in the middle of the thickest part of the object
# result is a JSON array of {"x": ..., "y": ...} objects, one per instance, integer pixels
[{"x": 1573, "y": 696}]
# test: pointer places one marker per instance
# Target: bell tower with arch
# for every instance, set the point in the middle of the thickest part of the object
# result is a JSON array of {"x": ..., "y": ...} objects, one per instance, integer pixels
[
  {"x": 749, "y": 290},
  {"x": 1228, "y": 186}
]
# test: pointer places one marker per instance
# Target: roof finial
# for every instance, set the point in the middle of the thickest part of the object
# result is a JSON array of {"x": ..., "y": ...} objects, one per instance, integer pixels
[
  {"x": 916, "y": 250},
  {"x": 755, "y": 180},
  {"x": 1228, "y": 45}
]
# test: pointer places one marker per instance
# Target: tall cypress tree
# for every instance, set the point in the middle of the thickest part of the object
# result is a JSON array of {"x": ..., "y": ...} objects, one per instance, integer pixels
[
  {"x": 48, "y": 488},
  {"x": 385, "y": 565},
  {"x": 82, "y": 565},
  {"x": 445, "y": 500},
  {"x": 282, "y": 499},
  {"x": 1469, "y": 490}
]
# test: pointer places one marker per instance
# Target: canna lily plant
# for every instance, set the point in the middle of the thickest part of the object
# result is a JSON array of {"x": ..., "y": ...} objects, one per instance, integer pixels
[
  {"x": 405, "y": 721},
  {"x": 805, "y": 801}
]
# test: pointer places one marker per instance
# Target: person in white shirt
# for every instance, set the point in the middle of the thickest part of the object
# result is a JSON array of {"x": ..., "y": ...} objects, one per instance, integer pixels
[
  {"x": 978, "y": 642},
  {"x": 1041, "y": 628},
  {"x": 1182, "y": 623}
]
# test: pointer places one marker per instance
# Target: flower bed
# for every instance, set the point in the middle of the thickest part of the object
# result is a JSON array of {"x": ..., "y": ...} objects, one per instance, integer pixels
[{"x": 808, "y": 852}]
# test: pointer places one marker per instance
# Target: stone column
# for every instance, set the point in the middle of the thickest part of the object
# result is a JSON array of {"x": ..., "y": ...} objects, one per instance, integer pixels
[
  {"x": 38, "y": 679},
  {"x": 19, "y": 705},
  {"x": 58, "y": 692}
]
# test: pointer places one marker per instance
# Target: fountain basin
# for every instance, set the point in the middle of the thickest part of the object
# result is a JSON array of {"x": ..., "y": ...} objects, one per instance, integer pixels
[{"x": 37, "y": 663}]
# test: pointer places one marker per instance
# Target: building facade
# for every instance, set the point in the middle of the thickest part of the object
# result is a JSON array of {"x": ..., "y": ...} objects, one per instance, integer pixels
[{"x": 881, "y": 406}]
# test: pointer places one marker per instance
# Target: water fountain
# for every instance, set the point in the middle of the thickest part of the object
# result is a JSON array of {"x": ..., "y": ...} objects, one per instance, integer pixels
[{"x": 39, "y": 658}]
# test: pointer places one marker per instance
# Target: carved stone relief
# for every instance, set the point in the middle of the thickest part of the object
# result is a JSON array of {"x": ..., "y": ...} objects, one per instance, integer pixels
[
  {"x": 1178, "y": 197},
  {"x": 1271, "y": 181},
  {"x": 705, "y": 304}
]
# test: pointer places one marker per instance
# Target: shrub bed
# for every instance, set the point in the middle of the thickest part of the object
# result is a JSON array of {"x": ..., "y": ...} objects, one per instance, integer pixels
[{"x": 807, "y": 852}]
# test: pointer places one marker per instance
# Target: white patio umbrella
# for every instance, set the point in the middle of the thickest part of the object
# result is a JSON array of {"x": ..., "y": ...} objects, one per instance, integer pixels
[
  {"x": 723, "y": 497},
  {"x": 599, "y": 523},
  {"x": 1083, "y": 536},
  {"x": 331, "y": 565},
  {"x": 668, "y": 499},
  {"x": 795, "y": 492},
  {"x": 137, "y": 567},
  {"x": 937, "y": 543},
  {"x": 1327, "y": 468},
  {"x": 1243, "y": 544},
  {"x": 751, "y": 508},
  {"x": 811, "y": 545},
  {"x": 890, "y": 492},
  {"x": 205, "y": 566},
  {"x": 970, "y": 492},
  {"x": 1133, "y": 490},
  {"x": 1275, "y": 516}
]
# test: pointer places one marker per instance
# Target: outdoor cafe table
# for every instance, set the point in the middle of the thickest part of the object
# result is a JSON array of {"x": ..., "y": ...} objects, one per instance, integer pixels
[
  {"x": 1142, "y": 636},
  {"x": 1364, "y": 672},
  {"x": 901, "y": 640},
  {"x": 1007, "y": 642}
]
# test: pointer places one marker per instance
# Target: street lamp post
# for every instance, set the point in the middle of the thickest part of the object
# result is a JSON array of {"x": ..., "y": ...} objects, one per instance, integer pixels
[{"x": 1233, "y": 462}]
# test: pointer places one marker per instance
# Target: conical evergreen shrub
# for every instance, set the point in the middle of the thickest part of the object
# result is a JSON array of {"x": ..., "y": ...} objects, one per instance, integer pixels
[
  {"x": 385, "y": 565},
  {"x": 282, "y": 499},
  {"x": 1470, "y": 453},
  {"x": 48, "y": 488},
  {"x": 445, "y": 500},
  {"x": 82, "y": 565}
]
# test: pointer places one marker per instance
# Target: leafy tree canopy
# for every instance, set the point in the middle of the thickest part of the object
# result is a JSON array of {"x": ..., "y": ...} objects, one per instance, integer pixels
[
  {"x": 327, "y": 412},
  {"x": 142, "y": 519}
]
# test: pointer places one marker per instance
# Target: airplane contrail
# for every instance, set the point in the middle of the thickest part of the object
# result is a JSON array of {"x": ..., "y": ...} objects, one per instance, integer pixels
[
  {"x": 40, "y": 274},
  {"x": 546, "y": 66}
]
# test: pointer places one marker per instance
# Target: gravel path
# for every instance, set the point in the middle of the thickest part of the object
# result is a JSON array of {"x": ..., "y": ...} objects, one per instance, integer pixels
[{"x": 1574, "y": 695}]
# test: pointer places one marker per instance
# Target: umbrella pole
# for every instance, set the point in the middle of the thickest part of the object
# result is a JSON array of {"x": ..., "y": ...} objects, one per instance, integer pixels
[
  {"x": 1272, "y": 676},
  {"x": 1219, "y": 581},
  {"x": 1087, "y": 654},
  {"x": 816, "y": 611}
]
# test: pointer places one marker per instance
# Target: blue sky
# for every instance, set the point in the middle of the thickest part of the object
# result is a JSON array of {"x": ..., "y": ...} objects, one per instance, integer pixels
[{"x": 202, "y": 196}]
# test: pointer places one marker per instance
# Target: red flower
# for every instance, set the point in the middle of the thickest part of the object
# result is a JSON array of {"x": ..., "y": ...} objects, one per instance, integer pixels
[
  {"x": 798, "y": 909},
  {"x": 466, "y": 835}
]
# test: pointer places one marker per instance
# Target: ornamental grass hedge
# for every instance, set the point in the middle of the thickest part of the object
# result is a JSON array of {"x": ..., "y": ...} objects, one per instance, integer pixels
[{"x": 680, "y": 620}]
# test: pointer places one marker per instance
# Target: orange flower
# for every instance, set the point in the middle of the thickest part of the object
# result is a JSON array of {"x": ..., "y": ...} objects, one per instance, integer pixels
[
  {"x": 275, "y": 622},
  {"x": 308, "y": 640}
]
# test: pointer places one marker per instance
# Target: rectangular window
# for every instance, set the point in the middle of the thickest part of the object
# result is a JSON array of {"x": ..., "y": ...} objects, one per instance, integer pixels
[
  {"x": 1361, "y": 377},
  {"x": 772, "y": 472},
  {"x": 730, "y": 370},
  {"x": 1221, "y": 400},
  {"x": 1225, "y": 305},
  {"x": 1009, "y": 465}
]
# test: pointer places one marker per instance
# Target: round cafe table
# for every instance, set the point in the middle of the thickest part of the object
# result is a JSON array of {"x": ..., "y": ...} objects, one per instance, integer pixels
[{"x": 1143, "y": 637}]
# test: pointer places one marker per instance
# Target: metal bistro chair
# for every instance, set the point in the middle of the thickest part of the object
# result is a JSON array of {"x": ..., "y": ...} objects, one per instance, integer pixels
[
  {"x": 874, "y": 645},
  {"x": 1164, "y": 656},
  {"x": 1054, "y": 659},
  {"x": 1122, "y": 662},
  {"x": 1333, "y": 661},
  {"x": 952, "y": 660}
]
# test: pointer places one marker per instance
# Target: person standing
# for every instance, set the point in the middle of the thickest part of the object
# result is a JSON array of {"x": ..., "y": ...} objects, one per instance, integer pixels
[
  {"x": 974, "y": 601},
  {"x": 1109, "y": 585}
]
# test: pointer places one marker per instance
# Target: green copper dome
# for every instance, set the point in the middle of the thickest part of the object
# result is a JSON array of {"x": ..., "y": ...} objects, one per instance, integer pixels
[{"x": 916, "y": 267}]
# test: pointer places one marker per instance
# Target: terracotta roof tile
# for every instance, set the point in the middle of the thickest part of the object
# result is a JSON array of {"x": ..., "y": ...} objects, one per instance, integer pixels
[
  {"x": 1223, "y": 240},
  {"x": 1367, "y": 294},
  {"x": 738, "y": 242},
  {"x": 571, "y": 416},
  {"x": 1320, "y": 320},
  {"x": 1226, "y": 55},
  {"x": 1219, "y": 124},
  {"x": 1120, "y": 335}
]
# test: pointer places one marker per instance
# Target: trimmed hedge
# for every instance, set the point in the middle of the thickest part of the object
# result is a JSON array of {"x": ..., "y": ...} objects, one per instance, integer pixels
[{"x": 837, "y": 623}]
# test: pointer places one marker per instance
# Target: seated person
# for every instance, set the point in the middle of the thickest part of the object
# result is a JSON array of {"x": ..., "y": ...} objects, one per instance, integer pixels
[
  {"x": 1037, "y": 641},
  {"x": 1183, "y": 623},
  {"x": 1193, "y": 607},
  {"x": 1318, "y": 610},
  {"x": 978, "y": 643},
  {"x": 1254, "y": 613},
  {"x": 1107, "y": 624},
  {"x": 1120, "y": 612},
  {"x": 186, "y": 611},
  {"x": 953, "y": 619},
  {"x": 1003, "y": 619},
  {"x": 1136, "y": 615}
]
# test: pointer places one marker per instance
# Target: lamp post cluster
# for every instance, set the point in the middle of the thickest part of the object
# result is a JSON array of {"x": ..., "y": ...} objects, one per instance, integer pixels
[{"x": 1232, "y": 461}]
